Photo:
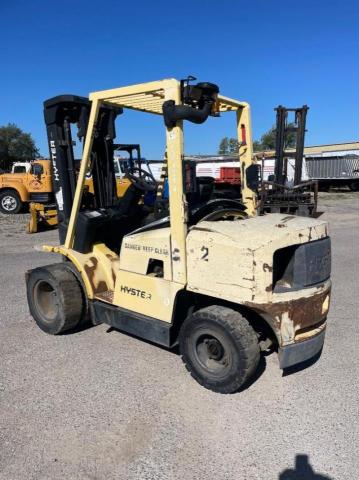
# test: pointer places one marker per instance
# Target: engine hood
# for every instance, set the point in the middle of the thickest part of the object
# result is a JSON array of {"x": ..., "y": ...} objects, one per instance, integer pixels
[
  {"x": 257, "y": 232},
  {"x": 234, "y": 259}
]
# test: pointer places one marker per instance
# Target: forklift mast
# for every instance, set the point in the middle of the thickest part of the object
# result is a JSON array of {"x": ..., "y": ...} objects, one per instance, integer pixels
[
  {"x": 276, "y": 194},
  {"x": 283, "y": 128},
  {"x": 60, "y": 113}
]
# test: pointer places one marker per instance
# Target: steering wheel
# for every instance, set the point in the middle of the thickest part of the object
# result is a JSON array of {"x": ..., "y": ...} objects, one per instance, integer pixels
[
  {"x": 225, "y": 214},
  {"x": 142, "y": 179}
]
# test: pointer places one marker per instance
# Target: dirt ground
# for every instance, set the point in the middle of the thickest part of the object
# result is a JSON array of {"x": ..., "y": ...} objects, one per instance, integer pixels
[{"x": 99, "y": 404}]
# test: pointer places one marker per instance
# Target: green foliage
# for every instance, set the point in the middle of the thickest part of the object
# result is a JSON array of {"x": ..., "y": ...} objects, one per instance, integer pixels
[
  {"x": 15, "y": 145},
  {"x": 228, "y": 146},
  {"x": 257, "y": 146},
  {"x": 223, "y": 146},
  {"x": 267, "y": 141},
  {"x": 233, "y": 146}
]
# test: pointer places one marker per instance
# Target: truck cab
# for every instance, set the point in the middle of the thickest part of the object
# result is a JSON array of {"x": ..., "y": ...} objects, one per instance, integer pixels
[
  {"x": 20, "y": 167},
  {"x": 32, "y": 185}
]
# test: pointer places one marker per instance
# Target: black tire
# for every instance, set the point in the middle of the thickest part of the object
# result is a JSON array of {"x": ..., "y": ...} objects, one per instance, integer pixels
[
  {"x": 55, "y": 298},
  {"x": 219, "y": 348},
  {"x": 354, "y": 186},
  {"x": 10, "y": 202}
]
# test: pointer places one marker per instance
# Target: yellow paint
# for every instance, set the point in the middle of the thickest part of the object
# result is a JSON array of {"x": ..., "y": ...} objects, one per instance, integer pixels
[
  {"x": 147, "y": 295},
  {"x": 27, "y": 183}
]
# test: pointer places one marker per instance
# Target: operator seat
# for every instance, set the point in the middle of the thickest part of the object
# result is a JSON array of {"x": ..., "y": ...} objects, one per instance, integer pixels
[{"x": 109, "y": 225}]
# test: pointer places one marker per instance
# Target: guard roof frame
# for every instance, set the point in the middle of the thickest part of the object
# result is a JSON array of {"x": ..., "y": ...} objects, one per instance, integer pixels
[{"x": 149, "y": 97}]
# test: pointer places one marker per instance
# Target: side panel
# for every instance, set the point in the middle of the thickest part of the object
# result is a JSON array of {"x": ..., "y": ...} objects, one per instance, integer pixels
[
  {"x": 138, "y": 250},
  {"x": 142, "y": 326},
  {"x": 147, "y": 295},
  {"x": 16, "y": 182},
  {"x": 137, "y": 287},
  {"x": 220, "y": 267},
  {"x": 40, "y": 183}
]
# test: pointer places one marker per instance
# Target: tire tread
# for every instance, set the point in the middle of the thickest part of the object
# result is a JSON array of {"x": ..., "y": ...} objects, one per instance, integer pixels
[
  {"x": 69, "y": 291},
  {"x": 243, "y": 335}
]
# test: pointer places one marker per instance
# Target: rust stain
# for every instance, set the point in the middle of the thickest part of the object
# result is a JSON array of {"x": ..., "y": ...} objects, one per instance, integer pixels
[
  {"x": 303, "y": 312},
  {"x": 280, "y": 225},
  {"x": 90, "y": 272},
  {"x": 310, "y": 234},
  {"x": 111, "y": 257}
]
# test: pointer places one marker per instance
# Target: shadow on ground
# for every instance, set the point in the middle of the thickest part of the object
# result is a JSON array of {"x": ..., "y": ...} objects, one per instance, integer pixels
[
  {"x": 175, "y": 350},
  {"x": 302, "y": 471}
]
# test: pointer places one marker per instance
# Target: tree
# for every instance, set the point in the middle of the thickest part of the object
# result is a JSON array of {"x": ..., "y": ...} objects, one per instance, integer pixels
[
  {"x": 15, "y": 145},
  {"x": 223, "y": 146},
  {"x": 233, "y": 146},
  {"x": 228, "y": 146},
  {"x": 257, "y": 146},
  {"x": 267, "y": 141}
]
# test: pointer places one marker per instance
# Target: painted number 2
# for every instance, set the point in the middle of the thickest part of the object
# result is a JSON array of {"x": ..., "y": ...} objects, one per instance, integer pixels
[{"x": 205, "y": 253}]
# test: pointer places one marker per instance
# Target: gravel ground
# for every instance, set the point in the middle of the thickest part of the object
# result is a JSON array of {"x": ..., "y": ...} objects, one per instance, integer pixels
[{"x": 99, "y": 404}]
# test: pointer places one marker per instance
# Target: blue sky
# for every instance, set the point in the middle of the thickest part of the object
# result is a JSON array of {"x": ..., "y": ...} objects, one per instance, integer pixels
[{"x": 263, "y": 52}]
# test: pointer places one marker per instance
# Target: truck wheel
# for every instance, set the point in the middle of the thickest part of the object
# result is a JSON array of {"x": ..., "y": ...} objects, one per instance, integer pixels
[
  {"x": 55, "y": 297},
  {"x": 219, "y": 348},
  {"x": 354, "y": 186},
  {"x": 10, "y": 202}
]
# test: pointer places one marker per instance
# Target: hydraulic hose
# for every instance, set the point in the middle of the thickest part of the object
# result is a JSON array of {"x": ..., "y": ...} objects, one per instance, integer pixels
[{"x": 172, "y": 113}]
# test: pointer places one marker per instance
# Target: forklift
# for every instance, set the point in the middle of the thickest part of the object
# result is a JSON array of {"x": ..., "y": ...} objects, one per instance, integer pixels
[
  {"x": 277, "y": 195},
  {"x": 219, "y": 281}
]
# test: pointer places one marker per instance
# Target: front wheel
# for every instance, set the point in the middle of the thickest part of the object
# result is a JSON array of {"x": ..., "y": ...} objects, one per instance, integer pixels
[
  {"x": 219, "y": 348},
  {"x": 10, "y": 202},
  {"x": 55, "y": 298}
]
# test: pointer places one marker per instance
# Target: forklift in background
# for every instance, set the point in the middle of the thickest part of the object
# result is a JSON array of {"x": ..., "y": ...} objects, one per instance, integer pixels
[
  {"x": 44, "y": 215},
  {"x": 222, "y": 282},
  {"x": 277, "y": 194}
]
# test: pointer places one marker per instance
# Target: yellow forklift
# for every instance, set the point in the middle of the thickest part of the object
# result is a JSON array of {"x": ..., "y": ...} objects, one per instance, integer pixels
[{"x": 217, "y": 279}]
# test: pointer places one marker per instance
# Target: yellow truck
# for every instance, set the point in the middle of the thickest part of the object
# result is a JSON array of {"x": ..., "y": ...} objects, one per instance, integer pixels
[{"x": 18, "y": 189}]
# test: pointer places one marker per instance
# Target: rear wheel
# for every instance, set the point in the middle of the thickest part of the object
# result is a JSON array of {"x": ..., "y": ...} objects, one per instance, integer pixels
[
  {"x": 219, "y": 348},
  {"x": 10, "y": 202},
  {"x": 55, "y": 297}
]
